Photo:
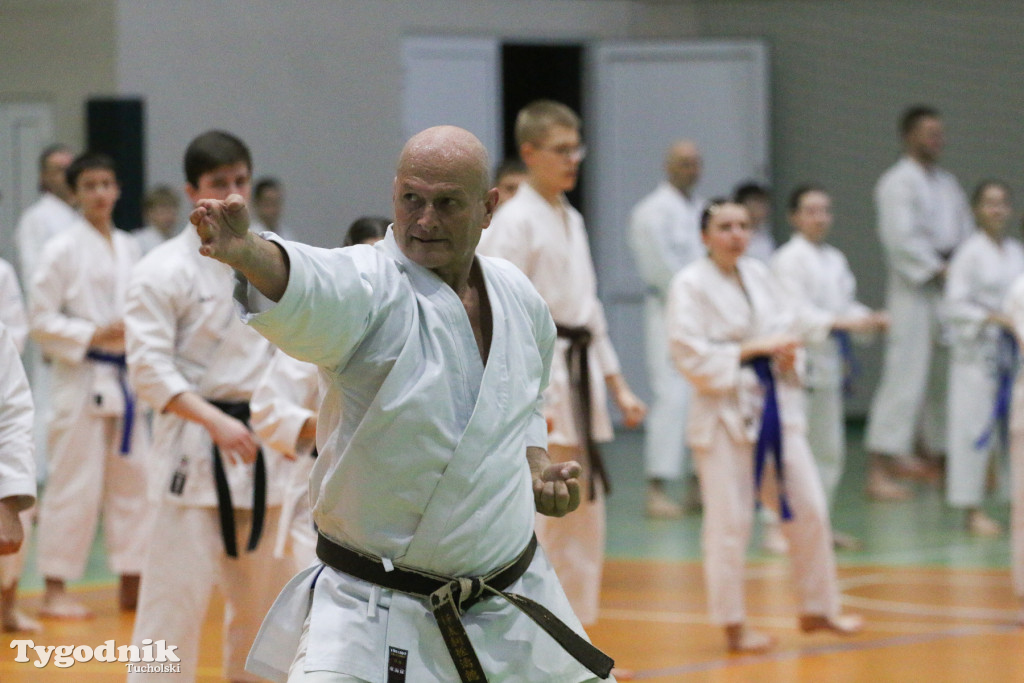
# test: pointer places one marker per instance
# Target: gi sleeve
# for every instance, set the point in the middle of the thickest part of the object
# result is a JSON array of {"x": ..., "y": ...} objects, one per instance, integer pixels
[
  {"x": 58, "y": 334},
  {"x": 284, "y": 399},
  {"x": 17, "y": 460},
  {"x": 966, "y": 317},
  {"x": 150, "y": 326}
]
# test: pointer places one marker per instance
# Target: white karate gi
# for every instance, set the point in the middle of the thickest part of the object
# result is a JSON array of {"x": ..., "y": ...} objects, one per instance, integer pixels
[
  {"x": 286, "y": 396},
  {"x": 923, "y": 215},
  {"x": 762, "y": 243},
  {"x": 183, "y": 334},
  {"x": 46, "y": 217},
  {"x": 12, "y": 306},
  {"x": 13, "y": 316},
  {"x": 78, "y": 286},
  {"x": 550, "y": 246},
  {"x": 818, "y": 278},
  {"x": 422, "y": 462},
  {"x": 979, "y": 276},
  {"x": 149, "y": 237},
  {"x": 17, "y": 464},
  {"x": 1014, "y": 307},
  {"x": 664, "y": 236},
  {"x": 709, "y": 316}
]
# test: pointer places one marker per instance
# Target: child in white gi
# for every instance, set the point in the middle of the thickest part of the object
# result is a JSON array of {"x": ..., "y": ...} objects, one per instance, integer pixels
[
  {"x": 979, "y": 275},
  {"x": 97, "y": 447},
  {"x": 1014, "y": 310},
  {"x": 818, "y": 278},
  {"x": 733, "y": 334}
]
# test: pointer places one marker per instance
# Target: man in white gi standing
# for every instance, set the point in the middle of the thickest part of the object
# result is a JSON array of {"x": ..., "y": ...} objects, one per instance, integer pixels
[
  {"x": 217, "y": 493},
  {"x": 923, "y": 215},
  {"x": 540, "y": 232},
  {"x": 431, "y": 441},
  {"x": 664, "y": 235}
]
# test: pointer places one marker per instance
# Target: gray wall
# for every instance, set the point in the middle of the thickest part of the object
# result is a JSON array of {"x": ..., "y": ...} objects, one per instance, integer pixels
[
  {"x": 61, "y": 53},
  {"x": 314, "y": 87}
]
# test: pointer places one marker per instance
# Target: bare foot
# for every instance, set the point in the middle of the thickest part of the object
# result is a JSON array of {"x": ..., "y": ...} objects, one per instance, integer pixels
[
  {"x": 980, "y": 524},
  {"x": 15, "y": 621},
  {"x": 841, "y": 625},
  {"x": 882, "y": 487},
  {"x": 742, "y": 640},
  {"x": 623, "y": 674},
  {"x": 57, "y": 604}
]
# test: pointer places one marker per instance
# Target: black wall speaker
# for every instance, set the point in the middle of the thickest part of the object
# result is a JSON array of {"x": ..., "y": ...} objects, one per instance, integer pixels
[{"x": 116, "y": 126}]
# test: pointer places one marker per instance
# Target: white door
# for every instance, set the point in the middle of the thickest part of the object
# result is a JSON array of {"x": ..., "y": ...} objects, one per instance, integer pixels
[
  {"x": 642, "y": 97},
  {"x": 25, "y": 130},
  {"x": 455, "y": 81}
]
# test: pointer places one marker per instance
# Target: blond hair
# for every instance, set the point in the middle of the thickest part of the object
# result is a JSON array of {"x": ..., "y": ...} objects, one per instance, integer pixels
[{"x": 536, "y": 119}]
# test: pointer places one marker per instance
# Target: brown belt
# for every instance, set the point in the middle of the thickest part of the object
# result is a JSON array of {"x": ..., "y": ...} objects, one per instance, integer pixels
[
  {"x": 578, "y": 362},
  {"x": 450, "y": 597}
]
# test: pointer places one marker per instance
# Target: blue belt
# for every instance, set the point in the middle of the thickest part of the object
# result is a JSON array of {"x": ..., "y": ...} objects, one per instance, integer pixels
[
  {"x": 769, "y": 437},
  {"x": 118, "y": 360},
  {"x": 1006, "y": 366},
  {"x": 851, "y": 368}
]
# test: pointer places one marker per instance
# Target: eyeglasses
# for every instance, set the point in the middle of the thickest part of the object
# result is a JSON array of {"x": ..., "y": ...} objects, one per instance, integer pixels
[{"x": 574, "y": 153}]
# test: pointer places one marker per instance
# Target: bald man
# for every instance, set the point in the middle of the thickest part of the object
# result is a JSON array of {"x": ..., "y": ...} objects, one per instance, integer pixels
[
  {"x": 665, "y": 236},
  {"x": 437, "y": 359}
]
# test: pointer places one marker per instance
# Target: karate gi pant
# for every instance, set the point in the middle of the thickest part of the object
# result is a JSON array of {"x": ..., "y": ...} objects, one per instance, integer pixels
[
  {"x": 297, "y": 675},
  {"x": 575, "y": 543},
  {"x": 826, "y": 435},
  {"x": 972, "y": 390},
  {"x": 12, "y": 565},
  {"x": 726, "y": 472},
  {"x": 665, "y": 455},
  {"x": 88, "y": 477},
  {"x": 185, "y": 562},
  {"x": 911, "y": 395},
  {"x": 1017, "y": 511}
]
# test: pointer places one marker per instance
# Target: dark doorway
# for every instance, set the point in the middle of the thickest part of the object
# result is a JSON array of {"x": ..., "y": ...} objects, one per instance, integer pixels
[{"x": 530, "y": 72}]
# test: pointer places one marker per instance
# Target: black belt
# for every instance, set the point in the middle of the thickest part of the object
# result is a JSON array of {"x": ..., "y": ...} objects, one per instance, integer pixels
[
  {"x": 226, "y": 509},
  {"x": 578, "y": 362},
  {"x": 450, "y": 597}
]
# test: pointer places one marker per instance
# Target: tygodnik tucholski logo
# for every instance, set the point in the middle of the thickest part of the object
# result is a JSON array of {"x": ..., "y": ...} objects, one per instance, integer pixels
[{"x": 150, "y": 657}]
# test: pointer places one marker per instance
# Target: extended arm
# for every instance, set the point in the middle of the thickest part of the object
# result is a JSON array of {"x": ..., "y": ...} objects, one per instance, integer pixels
[{"x": 223, "y": 228}]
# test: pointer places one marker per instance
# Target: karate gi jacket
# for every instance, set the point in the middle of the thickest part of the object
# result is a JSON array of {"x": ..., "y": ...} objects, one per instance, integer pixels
[
  {"x": 422, "y": 462},
  {"x": 555, "y": 256},
  {"x": 42, "y": 220},
  {"x": 12, "y": 306},
  {"x": 979, "y": 276},
  {"x": 77, "y": 287},
  {"x": 817, "y": 277},
  {"x": 664, "y": 234},
  {"x": 182, "y": 333},
  {"x": 709, "y": 317}
]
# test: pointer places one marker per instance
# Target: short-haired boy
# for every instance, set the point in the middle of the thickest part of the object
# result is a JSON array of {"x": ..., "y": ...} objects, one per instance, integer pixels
[{"x": 97, "y": 450}]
